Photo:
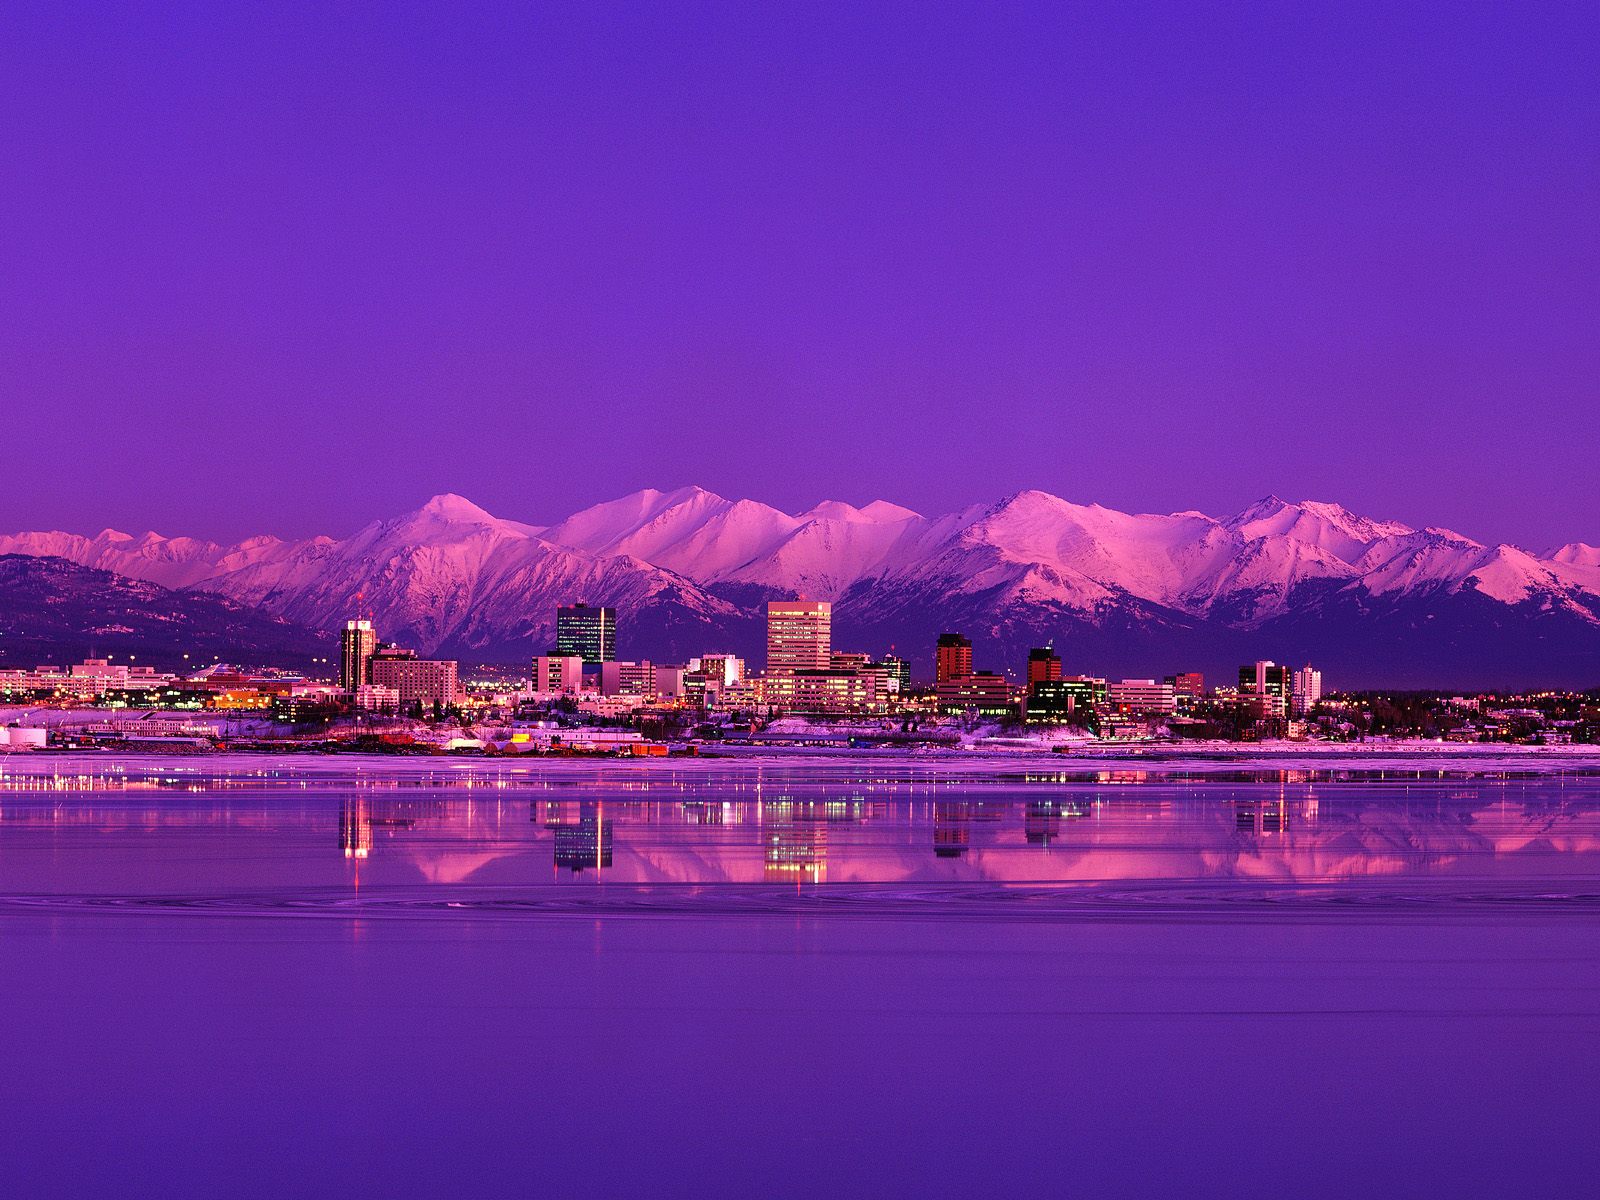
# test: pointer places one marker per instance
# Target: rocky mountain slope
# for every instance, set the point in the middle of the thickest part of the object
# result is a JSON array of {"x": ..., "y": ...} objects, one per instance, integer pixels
[
  {"x": 54, "y": 611},
  {"x": 1374, "y": 601}
]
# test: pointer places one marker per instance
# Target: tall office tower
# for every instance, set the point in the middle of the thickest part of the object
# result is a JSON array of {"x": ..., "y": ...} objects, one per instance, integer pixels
[
  {"x": 1268, "y": 683},
  {"x": 587, "y": 633},
  {"x": 799, "y": 636},
  {"x": 1306, "y": 690},
  {"x": 1044, "y": 666},
  {"x": 952, "y": 658},
  {"x": 899, "y": 671},
  {"x": 357, "y": 641}
]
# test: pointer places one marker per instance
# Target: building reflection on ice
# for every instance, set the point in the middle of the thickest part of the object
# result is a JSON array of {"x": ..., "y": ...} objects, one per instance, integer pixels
[
  {"x": 794, "y": 842},
  {"x": 583, "y": 839},
  {"x": 821, "y": 824},
  {"x": 952, "y": 828},
  {"x": 355, "y": 827},
  {"x": 961, "y": 825},
  {"x": 1037, "y": 833},
  {"x": 1041, "y": 819},
  {"x": 362, "y": 814},
  {"x": 1257, "y": 817}
]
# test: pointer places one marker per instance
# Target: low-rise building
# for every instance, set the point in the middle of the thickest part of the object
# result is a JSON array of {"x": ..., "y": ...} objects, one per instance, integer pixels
[
  {"x": 670, "y": 682},
  {"x": 610, "y": 707},
  {"x": 627, "y": 679},
  {"x": 557, "y": 674},
  {"x": 983, "y": 692},
  {"x": 374, "y": 697},
  {"x": 1188, "y": 687},
  {"x": 1056, "y": 701},
  {"x": 1141, "y": 696},
  {"x": 825, "y": 691}
]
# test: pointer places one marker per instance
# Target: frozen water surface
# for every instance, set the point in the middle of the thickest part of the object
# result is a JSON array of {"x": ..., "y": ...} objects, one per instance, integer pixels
[{"x": 849, "y": 974}]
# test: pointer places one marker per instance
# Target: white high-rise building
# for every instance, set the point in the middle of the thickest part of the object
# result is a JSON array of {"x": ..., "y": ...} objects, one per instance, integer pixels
[
  {"x": 1307, "y": 689},
  {"x": 799, "y": 636}
]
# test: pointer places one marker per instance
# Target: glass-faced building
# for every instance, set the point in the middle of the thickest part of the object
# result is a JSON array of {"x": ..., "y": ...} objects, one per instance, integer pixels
[
  {"x": 587, "y": 632},
  {"x": 357, "y": 642}
]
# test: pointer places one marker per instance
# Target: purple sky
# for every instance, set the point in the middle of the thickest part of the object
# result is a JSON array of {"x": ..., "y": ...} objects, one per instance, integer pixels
[{"x": 267, "y": 269}]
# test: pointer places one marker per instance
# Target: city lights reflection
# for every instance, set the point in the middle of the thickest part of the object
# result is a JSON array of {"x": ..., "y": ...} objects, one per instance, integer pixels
[{"x": 764, "y": 825}]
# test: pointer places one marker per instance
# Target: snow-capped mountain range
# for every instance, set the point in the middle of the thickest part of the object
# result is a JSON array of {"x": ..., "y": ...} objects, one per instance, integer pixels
[{"x": 1128, "y": 593}]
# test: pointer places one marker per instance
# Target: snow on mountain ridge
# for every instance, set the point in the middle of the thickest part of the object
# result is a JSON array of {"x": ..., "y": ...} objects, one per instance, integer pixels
[
  {"x": 1145, "y": 555},
  {"x": 1330, "y": 527},
  {"x": 886, "y": 510},
  {"x": 1358, "y": 527},
  {"x": 448, "y": 506},
  {"x": 712, "y": 540},
  {"x": 449, "y": 572},
  {"x": 174, "y": 562},
  {"x": 1576, "y": 554},
  {"x": 644, "y": 517}
]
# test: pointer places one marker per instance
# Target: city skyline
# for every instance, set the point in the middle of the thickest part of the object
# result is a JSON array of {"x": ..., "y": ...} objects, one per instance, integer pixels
[{"x": 804, "y": 673}]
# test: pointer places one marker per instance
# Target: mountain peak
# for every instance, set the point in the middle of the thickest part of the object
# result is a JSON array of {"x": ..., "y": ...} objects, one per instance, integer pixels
[
  {"x": 450, "y": 507},
  {"x": 1365, "y": 529},
  {"x": 878, "y": 512},
  {"x": 654, "y": 500},
  {"x": 887, "y": 510},
  {"x": 1263, "y": 509},
  {"x": 1578, "y": 554},
  {"x": 1319, "y": 522},
  {"x": 1028, "y": 500},
  {"x": 635, "y": 523}
]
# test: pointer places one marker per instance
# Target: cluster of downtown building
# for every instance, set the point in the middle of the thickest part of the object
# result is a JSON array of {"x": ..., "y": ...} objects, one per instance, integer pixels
[
  {"x": 805, "y": 675},
  {"x": 580, "y": 682}
]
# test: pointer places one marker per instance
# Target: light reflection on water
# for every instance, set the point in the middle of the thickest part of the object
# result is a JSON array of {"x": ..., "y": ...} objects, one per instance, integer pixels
[{"x": 662, "y": 837}]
